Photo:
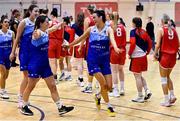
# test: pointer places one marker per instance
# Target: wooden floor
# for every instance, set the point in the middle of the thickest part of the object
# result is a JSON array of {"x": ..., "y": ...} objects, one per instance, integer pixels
[{"x": 45, "y": 109}]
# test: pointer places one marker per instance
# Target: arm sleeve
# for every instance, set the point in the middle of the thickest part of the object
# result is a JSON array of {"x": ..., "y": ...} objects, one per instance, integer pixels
[{"x": 132, "y": 42}]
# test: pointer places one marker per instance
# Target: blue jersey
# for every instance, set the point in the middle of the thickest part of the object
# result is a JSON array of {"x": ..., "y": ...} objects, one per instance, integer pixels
[
  {"x": 24, "y": 44},
  {"x": 39, "y": 49},
  {"x": 98, "y": 43},
  {"x": 6, "y": 39},
  {"x": 27, "y": 34},
  {"x": 38, "y": 66},
  {"x": 5, "y": 47}
]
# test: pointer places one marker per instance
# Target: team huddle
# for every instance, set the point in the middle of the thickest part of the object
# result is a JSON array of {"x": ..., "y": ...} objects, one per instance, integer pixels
[{"x": 100, "y": 39}]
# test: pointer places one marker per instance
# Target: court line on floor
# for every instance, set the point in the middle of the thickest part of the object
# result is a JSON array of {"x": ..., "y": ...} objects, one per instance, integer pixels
[
  {"x": 40, "y": 110},
  {"x": 127, "y": 107}
]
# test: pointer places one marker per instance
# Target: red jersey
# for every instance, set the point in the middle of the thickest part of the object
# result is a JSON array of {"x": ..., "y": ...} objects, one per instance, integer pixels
[
  {"x": 91, "y": 23},
  {"x": 71, "y": 33},
  {"x": 58, "y": 34},
  {"x": 120, "y": 36},
  {"x": 169, "y": 41}
]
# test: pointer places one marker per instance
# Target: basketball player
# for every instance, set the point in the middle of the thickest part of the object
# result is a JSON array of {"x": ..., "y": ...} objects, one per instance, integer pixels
[
  {"x": 55, "y": 42},
  {"x": 118, "y": 60},
  {"x": 165, "y": 51},
  {"x": 7, "y": 37},
  {"x": 140, "y": 46},
  {"x": 24, "y": 35},
  {"x": 39, "y": 67},
  {"x": 79, "y": 56},
  {"x": 98, "y": 58}
]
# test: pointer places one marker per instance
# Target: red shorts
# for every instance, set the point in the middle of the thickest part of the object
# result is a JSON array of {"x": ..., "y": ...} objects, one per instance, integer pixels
[
  {"x": 69, "y": 52},
  {"x": 167, "y": 60},
  {"x": 138, "y": 65},
  {"x": 117, "y": 58},
  {"x": 54, "y": 50},
  {"x": 77, "y": 54}
]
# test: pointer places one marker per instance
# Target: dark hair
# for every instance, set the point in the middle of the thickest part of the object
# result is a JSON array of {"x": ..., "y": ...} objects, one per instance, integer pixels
[
  {"x": 121, "y": 21},
  {"x": 54, "y": 12},
  {"x": 15, "y": 11},
  {"x": 101, "y": 13},
  {"x": 91, "y": 8},
  {"x": 173, "y": 23},
  {"x": 3, "y": 17},
  {"x": 40, "y": 19},
  {"x": 137, "y": 21},
  {"x": 45, "y": 11},
  {"x": 30, "y": 9},
  {"x": 80, "y": 19},
  {"x": 66, "y": 20}
]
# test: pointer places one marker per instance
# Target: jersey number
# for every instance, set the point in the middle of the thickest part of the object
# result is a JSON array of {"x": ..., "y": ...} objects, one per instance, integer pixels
[
  {"x": 170, "y": 34},
  {"x": 119, "y": 32}
]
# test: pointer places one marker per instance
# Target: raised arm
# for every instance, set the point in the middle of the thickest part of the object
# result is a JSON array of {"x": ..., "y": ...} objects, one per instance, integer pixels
[
  {"x": 82, "y": 38},
  {"x": 55, "y": 27}
]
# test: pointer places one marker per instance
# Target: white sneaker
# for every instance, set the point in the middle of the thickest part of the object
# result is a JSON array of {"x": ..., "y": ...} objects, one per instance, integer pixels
[
  {"x": 165, "y": 104},
  {"x": 138, "y": 99},
  {"x": 122, "y": 92},
  {"x": 68, "y": 78},
  {"x": 148, "y": 94},
  {"x": 111, "y": 94},
  {"x": 62, "y": 76},
  {"x": 80, "y": 82},
  {"x": 4, "y": 95},
  {"x": 116, "y": 92},
  {"x": 172, "y": 100},
  {"x": 87, "y": 89}
]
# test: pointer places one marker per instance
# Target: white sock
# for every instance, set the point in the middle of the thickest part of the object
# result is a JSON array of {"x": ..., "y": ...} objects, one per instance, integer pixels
[
  {"x": 122, "y": 85},
  {"x": 59, "y": 104},
  {"x": 89, "y": 84},
  {"x": 62, "y": 71},
  {"x": 115, "y": 86},
  {"x": 171, "y": 93},
  {"x": 140, "y": 94},
  {"x": 2, "y": 90},
  {"x": 68, "y": 73},
  {"x": 25, "y": 103},
  {"x": 109, "y": 105},
  {"x": 166, "y": 98}
]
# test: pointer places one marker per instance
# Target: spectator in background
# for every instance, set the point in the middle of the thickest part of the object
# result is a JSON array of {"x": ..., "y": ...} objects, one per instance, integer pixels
[
  {"x": 150, "y": 31},
  {"x": 14, "y": 22}
]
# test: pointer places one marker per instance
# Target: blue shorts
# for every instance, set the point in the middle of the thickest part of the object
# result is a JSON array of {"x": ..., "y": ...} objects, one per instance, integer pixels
[
  {"x": 23, "y": 59},
  {"x": 38, "y": 71},
  {"x": 97, "y": 66},
  {"x": 4, "y": 59}
]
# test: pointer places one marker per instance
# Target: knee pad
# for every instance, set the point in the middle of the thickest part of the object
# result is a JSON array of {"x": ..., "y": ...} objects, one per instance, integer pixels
[{"x": 164, "y": 80}]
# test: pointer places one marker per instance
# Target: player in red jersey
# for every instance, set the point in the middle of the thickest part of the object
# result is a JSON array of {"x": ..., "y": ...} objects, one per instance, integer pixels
[
  {"x": 118, "y": 60},
  {"x": 165, "y": 51},
  {"x": 69, "y": 36},
  {"x": 78, "y": 27},
  {"x": 140, "y": 46},
  {"x": 87, "y": 23},
  {"x": 55, "y": 42}
]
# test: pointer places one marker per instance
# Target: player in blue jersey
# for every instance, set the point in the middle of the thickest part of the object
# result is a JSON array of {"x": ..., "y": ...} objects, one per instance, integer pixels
[
  {"x": 98, "y": 58},
  {"x": 38, "y": 66},
  {"x": 23, "y": 36},
  {"x": 6, "y": 38}
]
